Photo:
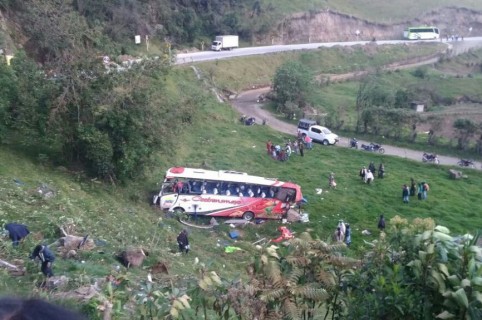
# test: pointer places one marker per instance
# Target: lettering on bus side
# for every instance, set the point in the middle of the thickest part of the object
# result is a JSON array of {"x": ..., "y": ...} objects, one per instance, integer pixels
[{"x": 214, "y": 200}]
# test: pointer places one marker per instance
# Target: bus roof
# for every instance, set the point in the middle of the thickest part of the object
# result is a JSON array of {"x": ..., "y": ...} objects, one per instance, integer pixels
[{"x": 221, "y": 175}]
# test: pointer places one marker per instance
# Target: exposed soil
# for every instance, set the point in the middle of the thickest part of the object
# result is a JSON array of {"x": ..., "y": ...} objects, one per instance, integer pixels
[{"x": 328, "y": 25}]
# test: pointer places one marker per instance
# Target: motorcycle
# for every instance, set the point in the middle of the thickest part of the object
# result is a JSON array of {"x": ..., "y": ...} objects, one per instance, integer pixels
[
  {"x": 353, "y": 143},
  {"x": 373, "y": 147},
  {"x": 248, "y": 121},
  {"x": 466, "y": 163},
  {"x": 432, "y": 158}
]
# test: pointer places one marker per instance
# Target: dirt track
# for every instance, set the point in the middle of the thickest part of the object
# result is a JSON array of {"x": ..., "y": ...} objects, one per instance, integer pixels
[{"x": 247, "y": 103}]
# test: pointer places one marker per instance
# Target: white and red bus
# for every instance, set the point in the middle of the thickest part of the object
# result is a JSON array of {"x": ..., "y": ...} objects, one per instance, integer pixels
[{"x": 226, "y": 194}]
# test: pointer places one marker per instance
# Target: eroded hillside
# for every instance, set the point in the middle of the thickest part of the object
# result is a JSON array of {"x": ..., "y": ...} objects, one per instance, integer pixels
[{"x": 327, "y": 25}]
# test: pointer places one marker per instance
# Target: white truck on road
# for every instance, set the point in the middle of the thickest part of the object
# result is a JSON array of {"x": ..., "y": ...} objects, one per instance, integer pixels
[
  {"x": 317, "y": 133},
  {"x": 225, "y": 43}
]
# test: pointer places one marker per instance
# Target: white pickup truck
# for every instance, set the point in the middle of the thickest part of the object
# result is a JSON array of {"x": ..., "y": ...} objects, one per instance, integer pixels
[{"x": 317, "y": 133}]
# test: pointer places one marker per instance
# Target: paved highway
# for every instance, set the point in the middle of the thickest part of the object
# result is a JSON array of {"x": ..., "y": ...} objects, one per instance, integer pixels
[{"x": 182, "y": 58}]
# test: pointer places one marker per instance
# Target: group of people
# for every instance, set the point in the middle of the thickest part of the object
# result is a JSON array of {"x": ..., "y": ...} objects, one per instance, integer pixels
[
  {"x": 17, "y": 232},
  {"x": 368, "y": 175},
  {"x": 228, "y": 189},
  {"x": 284, "y": 151},
  {"x": 342, "y": 233},
  {"x": 420, "y": 189}
]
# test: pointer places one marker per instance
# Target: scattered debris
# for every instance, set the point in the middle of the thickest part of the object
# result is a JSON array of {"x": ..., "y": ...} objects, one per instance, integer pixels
[
  {"x": 231, "y": 249},
  {"x": 366, "y": 232},
  {"x": 234, "y": 234},
  {"x": 318, "y": 190},
  {"x": 455, "y": 174},
  {"x": 45, "y": 191}
]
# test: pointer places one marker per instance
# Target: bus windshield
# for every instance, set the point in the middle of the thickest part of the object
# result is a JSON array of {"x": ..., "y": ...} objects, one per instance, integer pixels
[{"x": 226, "y": 194}]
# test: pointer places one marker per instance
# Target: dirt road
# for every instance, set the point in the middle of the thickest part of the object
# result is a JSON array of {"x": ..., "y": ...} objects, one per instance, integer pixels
[{"x": 247, "y": 103}]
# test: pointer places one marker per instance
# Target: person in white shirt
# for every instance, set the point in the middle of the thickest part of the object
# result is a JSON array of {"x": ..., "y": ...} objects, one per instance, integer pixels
[{"x": 369, "y": 177}]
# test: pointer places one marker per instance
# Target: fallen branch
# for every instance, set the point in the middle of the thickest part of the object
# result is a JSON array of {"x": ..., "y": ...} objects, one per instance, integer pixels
[
  {"x": 9, "y": 265},
  {"x": 194, "y": 225}
]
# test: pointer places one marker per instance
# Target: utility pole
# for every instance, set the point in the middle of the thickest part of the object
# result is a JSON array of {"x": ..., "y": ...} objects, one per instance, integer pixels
[{"x": 147, "y": 42}]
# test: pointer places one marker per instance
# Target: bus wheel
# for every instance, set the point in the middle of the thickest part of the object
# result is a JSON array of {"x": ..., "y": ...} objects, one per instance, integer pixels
[
  {"x": 178, "y": 212},
  {"x": 248, "y": 216}
]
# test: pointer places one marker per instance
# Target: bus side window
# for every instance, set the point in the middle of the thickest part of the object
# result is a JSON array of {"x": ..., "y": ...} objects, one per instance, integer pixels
[{"x": 196, "y": 187}]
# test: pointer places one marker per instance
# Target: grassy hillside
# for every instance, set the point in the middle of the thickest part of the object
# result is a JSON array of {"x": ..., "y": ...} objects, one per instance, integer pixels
[
  {"x": 241, "y": 73},
  {"x": 374, "y": 10},
  {"x": 121, "y": 216}
]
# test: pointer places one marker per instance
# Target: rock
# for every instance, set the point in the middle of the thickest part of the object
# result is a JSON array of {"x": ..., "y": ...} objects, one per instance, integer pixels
[{"x": 454, "y": 174}]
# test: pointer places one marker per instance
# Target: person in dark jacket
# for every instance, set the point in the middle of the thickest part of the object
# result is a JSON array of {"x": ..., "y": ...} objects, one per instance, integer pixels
[
  {"x": 381, "y": 171},
  {"x": 347, "y": 235},
  {"x": 183, "y": 241},
  {"x": 381, "y": 223},
  {"x": 43, "y": 253},
  {"x": 372, "y": 168},
  {"x": 16, "y": 232},
  {"x": 20, "y": 308},
  {"x": 405, "y": 193}
]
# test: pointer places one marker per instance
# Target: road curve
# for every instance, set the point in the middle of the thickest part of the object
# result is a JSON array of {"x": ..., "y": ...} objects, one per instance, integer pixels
[{"x": 247, "y": 103}]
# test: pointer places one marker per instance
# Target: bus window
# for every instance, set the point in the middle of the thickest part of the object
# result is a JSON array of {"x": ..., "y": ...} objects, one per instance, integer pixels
[
  {"x": 286, "y": 194},
  {"x": 195, "y": 186}
]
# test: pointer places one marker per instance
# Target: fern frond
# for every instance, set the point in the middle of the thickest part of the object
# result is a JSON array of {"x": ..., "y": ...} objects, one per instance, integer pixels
[
  {"x": 342, "y": 262},
  {"x": 326, "y": 278},
  {"x": 272, "y": 295},
  {"x": 298, "y": 261},
  {"x": 294, "y": 276},
  {"x": 300, "y": 245},
  {"x": 310, "y": 292},
  {"x": 273, "y": 315},
  {"x": 250, "y": 289},
  {"x": 291, "y": 310},
  {"x": 273, "y": 271}
]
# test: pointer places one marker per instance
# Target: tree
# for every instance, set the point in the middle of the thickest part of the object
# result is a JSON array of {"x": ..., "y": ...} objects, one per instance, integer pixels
[
  {"x": 292, "y": 83},
  {"x": 466, "y": 129}
]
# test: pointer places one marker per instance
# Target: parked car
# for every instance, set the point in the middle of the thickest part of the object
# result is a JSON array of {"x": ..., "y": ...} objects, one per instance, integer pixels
[{"x": 316, "y": 132}]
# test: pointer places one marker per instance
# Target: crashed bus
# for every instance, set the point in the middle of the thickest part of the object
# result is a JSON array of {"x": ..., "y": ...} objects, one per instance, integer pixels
[{"x": 226, "y": 193}]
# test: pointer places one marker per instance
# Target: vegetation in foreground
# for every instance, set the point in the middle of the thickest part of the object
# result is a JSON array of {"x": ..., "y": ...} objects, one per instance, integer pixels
[{"x": 121, "y": 217}]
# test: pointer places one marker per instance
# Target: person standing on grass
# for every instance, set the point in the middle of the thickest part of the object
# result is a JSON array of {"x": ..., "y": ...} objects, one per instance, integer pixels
[
  {"x": 347, "y": 235},
  {"x": 368, "y": 177},
  {"x": 413, "y": 187},
  {"x": 43, "y": 253},
  {"x": 405, "y": 193},
  {"x": 381, "y": 171},
  {"x": 183, "y": 241},
  {"x": 371, "y": 167},
  {"x": 268, "y": 146},
  {"x": 301, "y": 146},
  {"x": 381, "y": 223},
  {"x": 425, "y": 189}
]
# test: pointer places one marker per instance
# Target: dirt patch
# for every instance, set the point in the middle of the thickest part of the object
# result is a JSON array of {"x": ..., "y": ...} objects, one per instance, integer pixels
[{"x": 334, "y": 26}]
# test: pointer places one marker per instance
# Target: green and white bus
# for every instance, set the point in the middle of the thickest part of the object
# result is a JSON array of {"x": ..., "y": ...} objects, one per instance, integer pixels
[{"x": 421, "y": 33}]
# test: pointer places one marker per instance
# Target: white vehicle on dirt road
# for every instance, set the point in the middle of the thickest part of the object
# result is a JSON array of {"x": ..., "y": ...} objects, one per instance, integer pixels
[{"x": 317, "y": 133}]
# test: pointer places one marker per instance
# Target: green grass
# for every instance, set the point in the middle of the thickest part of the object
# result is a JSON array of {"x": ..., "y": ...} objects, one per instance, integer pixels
[
  {"x": 242, "y": 73},
  {"x": 374, "y": 10},
  {"x": 121, "y": 215}
]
